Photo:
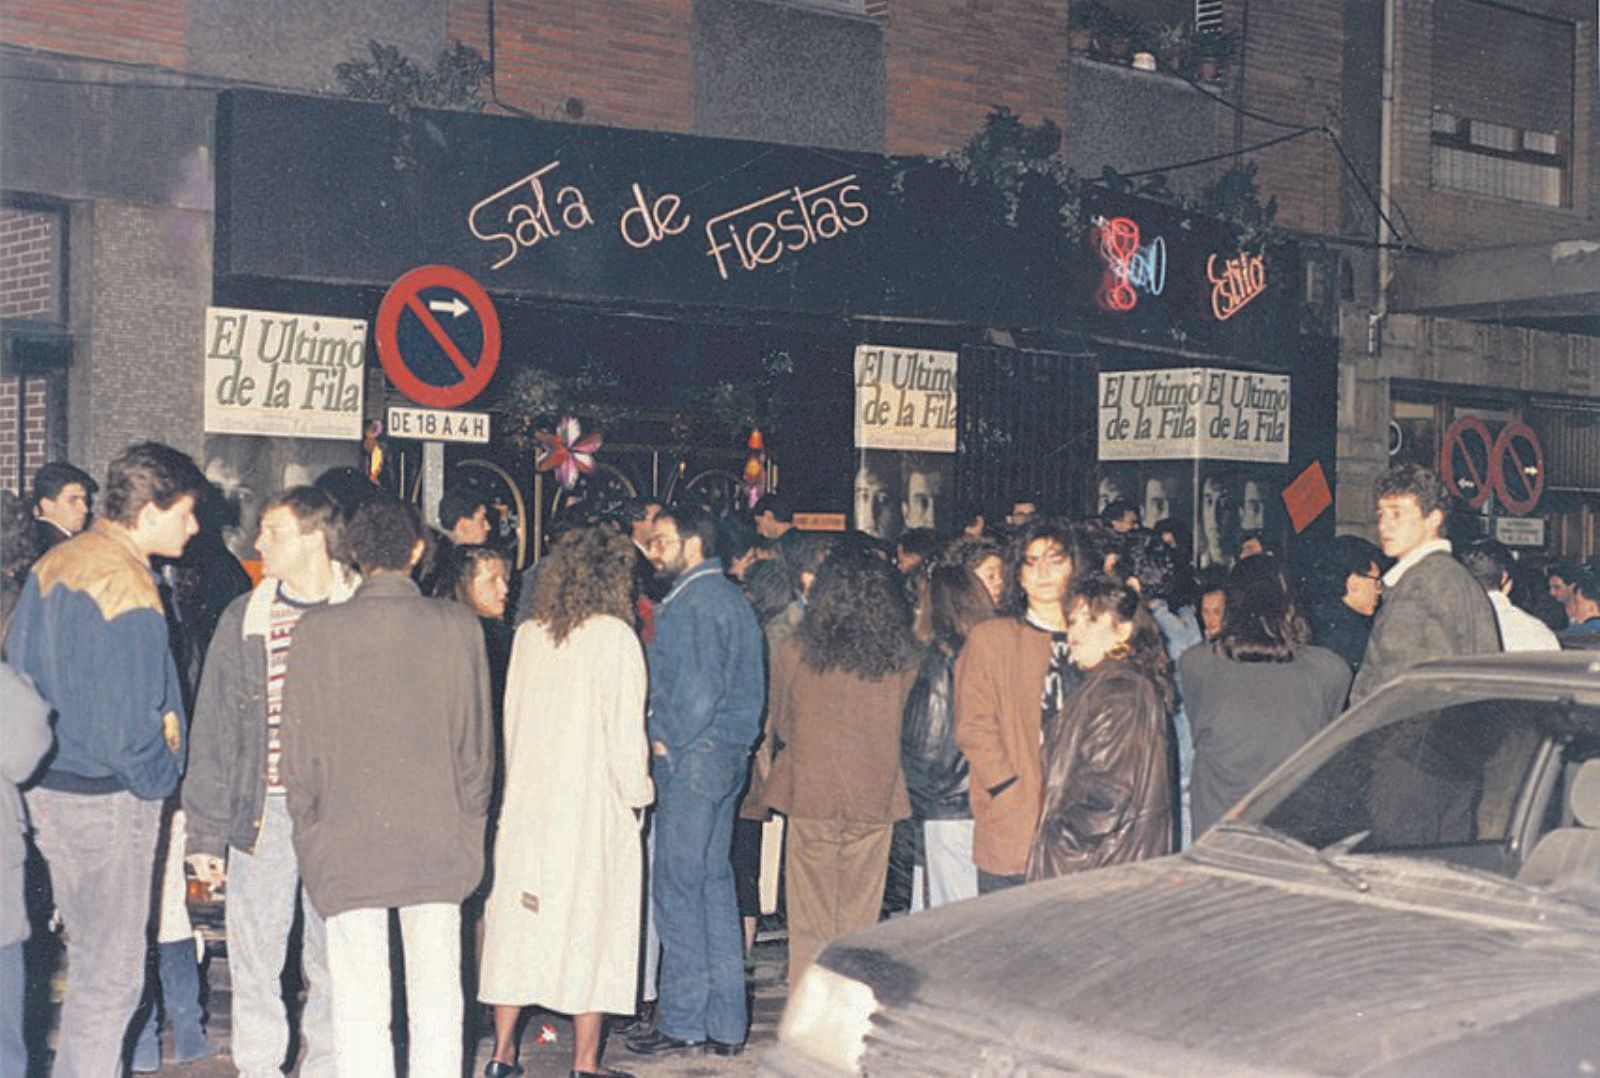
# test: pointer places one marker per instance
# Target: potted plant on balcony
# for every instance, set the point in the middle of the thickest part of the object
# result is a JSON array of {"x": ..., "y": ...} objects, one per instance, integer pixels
[
  {"x": 1086, "y": 19},
  {"x": 1117, "y": 37},
  {"x": 1171, "y": 45},
  {"x": 1211, "y": 49}
]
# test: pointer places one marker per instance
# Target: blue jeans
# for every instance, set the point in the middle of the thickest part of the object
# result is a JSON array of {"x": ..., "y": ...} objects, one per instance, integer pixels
[
  {"x": 702, "y": 958},
  {"x": 101, "y": 850},
  {"x": 262, "y": 889},
  {"x": 13, "y": 990}
]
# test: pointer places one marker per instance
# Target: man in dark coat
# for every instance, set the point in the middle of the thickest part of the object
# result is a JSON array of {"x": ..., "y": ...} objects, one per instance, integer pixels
[
  {"x": 61, "y": 496},
  {"x": 388, "y": 756},
  {"x": 1432, "y": 608}
]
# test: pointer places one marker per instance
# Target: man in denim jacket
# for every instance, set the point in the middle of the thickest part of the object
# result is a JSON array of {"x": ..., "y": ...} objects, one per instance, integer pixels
[{"x": 707, "y": 690}]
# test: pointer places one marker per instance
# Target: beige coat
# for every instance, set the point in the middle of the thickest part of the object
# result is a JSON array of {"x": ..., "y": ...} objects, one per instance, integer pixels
[{"x": 563, "y": 918}]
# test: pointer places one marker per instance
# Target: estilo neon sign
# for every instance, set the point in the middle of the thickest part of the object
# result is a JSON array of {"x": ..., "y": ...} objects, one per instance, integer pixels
[{"x": 1131, "y": 269}]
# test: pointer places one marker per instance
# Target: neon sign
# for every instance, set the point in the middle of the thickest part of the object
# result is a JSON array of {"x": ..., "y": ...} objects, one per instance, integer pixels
[
  {"x": 1130, "y": 267},
  {"x": 1241, "y": 280}
]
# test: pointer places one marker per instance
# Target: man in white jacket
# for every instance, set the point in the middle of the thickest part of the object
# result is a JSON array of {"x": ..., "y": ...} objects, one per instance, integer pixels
[{"x": 1490, "y": 564}]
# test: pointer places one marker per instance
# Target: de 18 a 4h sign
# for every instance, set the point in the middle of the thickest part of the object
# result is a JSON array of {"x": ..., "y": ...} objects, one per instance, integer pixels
[{"x": 433, "y": 425}]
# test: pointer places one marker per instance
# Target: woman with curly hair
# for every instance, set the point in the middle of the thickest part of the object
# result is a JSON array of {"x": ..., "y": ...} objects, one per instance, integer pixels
[
  {"x": 836, "y": 695},
  {"x": 1107, "y": 754},
  {"x": 564, "y": 915},
  {"x": 1258, "y": 691}
]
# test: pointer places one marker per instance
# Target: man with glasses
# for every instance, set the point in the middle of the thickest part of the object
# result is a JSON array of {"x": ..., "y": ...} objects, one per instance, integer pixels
[
  {"x": 707, "y": 692},
  {"x": 1352, "y": 584}
]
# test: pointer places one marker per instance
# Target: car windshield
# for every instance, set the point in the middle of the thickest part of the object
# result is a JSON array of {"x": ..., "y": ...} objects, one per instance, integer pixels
[{"x": 1461, "y": 783}]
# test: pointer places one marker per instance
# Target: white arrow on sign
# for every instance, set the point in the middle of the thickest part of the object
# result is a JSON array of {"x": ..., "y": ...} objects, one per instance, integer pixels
[{"x": 454, "y": 306}]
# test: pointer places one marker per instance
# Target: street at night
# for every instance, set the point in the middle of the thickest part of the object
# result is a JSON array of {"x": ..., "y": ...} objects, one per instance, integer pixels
[{"x": 799, "y": 537}]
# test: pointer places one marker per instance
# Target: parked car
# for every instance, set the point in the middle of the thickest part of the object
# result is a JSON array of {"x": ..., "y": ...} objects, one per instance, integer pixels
[{"x": 1417, "y": 891}]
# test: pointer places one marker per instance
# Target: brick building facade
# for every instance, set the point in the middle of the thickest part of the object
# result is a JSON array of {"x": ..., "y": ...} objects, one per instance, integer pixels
[{"x": 110, "y": 113}]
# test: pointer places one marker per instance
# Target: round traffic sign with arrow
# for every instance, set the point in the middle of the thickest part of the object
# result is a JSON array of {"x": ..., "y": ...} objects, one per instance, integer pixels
[
  {"x": 1466, "y": 458},
  {"x": 438, "y": 336},
  {"x": 1516, "y": 468}
]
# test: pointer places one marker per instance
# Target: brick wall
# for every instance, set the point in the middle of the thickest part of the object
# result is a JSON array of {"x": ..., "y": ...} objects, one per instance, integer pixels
[
  {"x": 1290, "y": 68},
  {"x": 627, "y": 61},
  {"x": 33, "y": 437},
  {"x": 29, "y": 271},
  {"x": 141, "y": 31},
  {"x": 948, "y": 64}
]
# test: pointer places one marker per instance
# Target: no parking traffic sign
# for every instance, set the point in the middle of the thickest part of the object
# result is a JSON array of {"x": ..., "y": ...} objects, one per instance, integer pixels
[{"x": 438, "y": 336}]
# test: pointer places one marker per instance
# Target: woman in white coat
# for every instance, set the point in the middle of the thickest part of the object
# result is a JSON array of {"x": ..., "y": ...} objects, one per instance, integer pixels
[{"x": 564, "y": 914}]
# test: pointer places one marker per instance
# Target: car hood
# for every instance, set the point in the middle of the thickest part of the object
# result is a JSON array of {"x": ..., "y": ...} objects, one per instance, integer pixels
[{"x": 1176, "y": 966}]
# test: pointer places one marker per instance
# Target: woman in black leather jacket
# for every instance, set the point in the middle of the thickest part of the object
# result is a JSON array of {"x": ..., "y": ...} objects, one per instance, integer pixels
[{"x": 936, "y": 771}]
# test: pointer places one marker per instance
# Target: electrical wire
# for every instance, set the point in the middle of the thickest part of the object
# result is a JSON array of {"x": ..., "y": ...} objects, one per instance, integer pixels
[{"x": 1215, "y": 157}]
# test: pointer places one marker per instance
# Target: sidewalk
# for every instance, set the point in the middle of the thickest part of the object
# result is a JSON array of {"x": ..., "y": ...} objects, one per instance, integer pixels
[{"x": 540, "y": 1059}]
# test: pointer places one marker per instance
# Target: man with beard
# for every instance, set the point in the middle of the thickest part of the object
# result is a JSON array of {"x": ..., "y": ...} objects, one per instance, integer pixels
[{"x": 707, "y": 691}]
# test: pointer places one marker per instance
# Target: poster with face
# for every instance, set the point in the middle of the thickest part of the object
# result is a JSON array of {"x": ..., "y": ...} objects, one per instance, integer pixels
[
  {"x": 247, "y": 470},
  {"x": 895, "y": 491},
  {"x": 1235, "y": 502}
]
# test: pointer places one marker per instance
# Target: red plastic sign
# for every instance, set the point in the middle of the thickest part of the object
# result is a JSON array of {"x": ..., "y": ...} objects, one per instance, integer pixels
[
  {"x": 1466, "y": 460},
  {"x": 1516, "y": 468},
  {"x": 406, "y": 296}
]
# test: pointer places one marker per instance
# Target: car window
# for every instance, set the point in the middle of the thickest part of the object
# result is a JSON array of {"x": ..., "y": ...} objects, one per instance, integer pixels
[{"x": 1445, "y": 783}]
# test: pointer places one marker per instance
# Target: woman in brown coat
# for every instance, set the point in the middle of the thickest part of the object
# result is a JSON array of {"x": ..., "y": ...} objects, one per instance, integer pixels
[
  {"x": 1107, "y": 784},
  {"x": 836, "y": 696}
]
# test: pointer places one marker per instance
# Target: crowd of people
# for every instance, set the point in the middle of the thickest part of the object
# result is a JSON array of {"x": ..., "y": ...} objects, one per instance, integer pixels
[{"x": 570, "y": 795}]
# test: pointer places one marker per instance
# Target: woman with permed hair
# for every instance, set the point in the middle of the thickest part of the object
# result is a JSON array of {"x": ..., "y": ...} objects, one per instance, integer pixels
[
  {"x": 836, "y": 695},
  {"x": 1258, "y": 691},
  {"x": 564, "y": 915},
  {"x": 1108, "y": 753}
]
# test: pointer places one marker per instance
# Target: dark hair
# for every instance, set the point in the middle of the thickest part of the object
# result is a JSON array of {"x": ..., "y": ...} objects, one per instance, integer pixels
[
  {"x": 857, "y": 618},
  {"x": 1149, "y": 560},
  {"x": 383, "y": 534},
  {"x": 459, "y": 503},
  {"x": 52, "y": 478},
  {"x": 1566, "y": 570},
  {"x": 919, "y": 542},
  {"x": 735, "y": 537},
  {"x": 1344, "y": 557},
  {"x": 1256, "y": 535},
  {"x": 149, "y": 473},
  {"x": 1147, "y": 648},
  {"x": 349, "y": 487},
  {"x": 803, "y": 552},
  {"x": 969, "y": 551},
  {"x": 314, "y": 510},
  {"x": 1413, "y": 480},
  {"x": 1014, "y": 601},
  {"x": 1260, "y": 622},
  {"x": 464, "y": 571},
  {"x": 1181, "y": 535},
  {"x": 956, "y": 601},
  {"x": 589, "y": 572},
  {"x": 1489, "y": 562},
  {"x": 1586, "y": 582},
  {"x": 1118, "y": 508},
  {"x": 771, "y": 503},
  {"x": 694, "y": 521},
  {"x": 766, "y": 585}
]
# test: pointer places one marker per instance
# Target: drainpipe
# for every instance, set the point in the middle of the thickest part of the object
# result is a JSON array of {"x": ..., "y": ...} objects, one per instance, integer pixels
[{"x": 1386, "y": 236}]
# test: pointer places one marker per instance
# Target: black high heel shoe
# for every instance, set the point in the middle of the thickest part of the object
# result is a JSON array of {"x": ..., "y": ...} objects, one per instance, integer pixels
[{"x": 496, "y": 1069}]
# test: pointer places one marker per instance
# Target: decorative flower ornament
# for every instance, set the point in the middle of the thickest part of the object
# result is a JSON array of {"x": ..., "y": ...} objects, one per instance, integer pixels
[{"x": 567, "y": 452}]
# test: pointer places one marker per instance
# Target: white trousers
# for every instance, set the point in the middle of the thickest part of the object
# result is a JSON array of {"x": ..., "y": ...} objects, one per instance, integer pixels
[
  {"x": 358, "y": 967},
  {"x": 950, "y": 876}
]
